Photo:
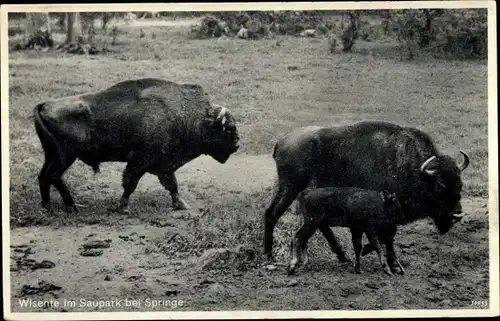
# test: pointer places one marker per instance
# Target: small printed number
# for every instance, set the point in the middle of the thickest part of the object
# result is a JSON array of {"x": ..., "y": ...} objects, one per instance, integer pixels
[{"x": 479, "y": 303}]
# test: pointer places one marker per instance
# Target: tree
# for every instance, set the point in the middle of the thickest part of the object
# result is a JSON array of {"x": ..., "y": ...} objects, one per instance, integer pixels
[
  {"x": 38, "y": 31},
  {"x": 427, "y": 32},
  {"x": 350, "y": 34},
  {"x": 106, "y": 18},
  {"x": 74, "y": 27}
]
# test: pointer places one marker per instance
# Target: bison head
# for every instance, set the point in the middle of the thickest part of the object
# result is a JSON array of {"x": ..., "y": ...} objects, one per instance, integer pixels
[
  {"x": 445, "y": 186},
  {"x": 221, "y": 135}
]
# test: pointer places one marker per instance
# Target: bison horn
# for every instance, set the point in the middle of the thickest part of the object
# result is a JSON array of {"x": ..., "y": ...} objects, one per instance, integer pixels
[
  {"x": 424, "y": 169},
  {"x": 465, "y": 162}
]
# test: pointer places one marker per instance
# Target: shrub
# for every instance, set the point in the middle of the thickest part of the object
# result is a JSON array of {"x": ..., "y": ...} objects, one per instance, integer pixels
[
  {"x": 466, "y": 33},
  {"x": 456, "y": 33},
  {"x": 350, "y": 33},
  {"x": 210, "y": 27},
  {"x": 261, "y": 23}
]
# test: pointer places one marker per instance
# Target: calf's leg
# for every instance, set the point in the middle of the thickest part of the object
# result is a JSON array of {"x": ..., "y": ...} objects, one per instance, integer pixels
[
  {"x": 299, "y": 242},
  {"x": 386, "y": 236},
  {"x": 392, "y": 258},
  {"x": 334, "y": 243},
  {"x": 373, "y": 238}
]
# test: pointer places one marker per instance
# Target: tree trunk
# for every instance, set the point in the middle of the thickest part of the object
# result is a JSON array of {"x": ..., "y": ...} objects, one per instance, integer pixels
[
  {"x": 425, "y": 32},
  {"x": 74, "y": 27}
]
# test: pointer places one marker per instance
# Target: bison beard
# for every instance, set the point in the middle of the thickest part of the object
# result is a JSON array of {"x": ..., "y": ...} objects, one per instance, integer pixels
[
  {"x": 371, "y": 155},
  {"x": 155, "y": 126}
]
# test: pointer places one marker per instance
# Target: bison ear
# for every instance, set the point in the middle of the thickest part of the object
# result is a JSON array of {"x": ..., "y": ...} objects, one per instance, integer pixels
[
  {"x": 389, "y": 197},
  {"x": 220, "y": 116}
]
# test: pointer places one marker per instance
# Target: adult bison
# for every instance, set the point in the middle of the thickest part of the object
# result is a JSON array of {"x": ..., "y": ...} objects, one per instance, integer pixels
[
  {"x": 372, "y": 155},
  {"x": 154, "y": 125}
]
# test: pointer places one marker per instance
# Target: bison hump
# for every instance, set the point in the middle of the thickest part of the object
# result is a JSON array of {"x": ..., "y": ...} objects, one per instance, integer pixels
[
  {"x": 187, "y": 97},
  {"x": 69, "y": 119}
]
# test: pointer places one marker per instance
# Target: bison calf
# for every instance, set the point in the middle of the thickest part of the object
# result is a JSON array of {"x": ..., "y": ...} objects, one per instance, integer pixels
[{"x": 361, "y": 210}]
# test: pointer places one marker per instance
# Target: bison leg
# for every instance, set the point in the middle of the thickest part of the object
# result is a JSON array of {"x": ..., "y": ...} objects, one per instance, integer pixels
[
  {"x": 334, "y": 243},
  {"x": 44, "y": 181},
  {"x": 372, "y": 237},
  {"x": 357, "y": 244},
  {"x": 282, "y": 200},
  {"x": 169, "y": 181},
  {"x": 51, "y": 174},
  {"x": 131, "y": 177}
]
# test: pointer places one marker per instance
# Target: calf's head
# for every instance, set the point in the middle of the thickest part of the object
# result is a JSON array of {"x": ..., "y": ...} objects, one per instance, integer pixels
[
  {"x": 222, "y": 138},
  {"x": 392, "y": 206},
  {"x": 389, "y": 198},
  {"x": 444, "y": 186}
]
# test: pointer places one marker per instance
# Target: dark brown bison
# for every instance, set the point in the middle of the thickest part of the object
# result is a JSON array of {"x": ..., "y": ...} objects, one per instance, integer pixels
[
  {"x": 371, "y": 155},
  {"x": 361, "y": 210},
  {"x": 155, "y": 126}
]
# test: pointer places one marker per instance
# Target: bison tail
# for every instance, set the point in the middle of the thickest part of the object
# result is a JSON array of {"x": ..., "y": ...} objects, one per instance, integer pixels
[{"x": 47, "y": 139}]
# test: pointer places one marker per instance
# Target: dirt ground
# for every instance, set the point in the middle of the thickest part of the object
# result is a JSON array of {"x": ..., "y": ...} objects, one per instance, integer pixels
[{"x": 127, "y": 270}]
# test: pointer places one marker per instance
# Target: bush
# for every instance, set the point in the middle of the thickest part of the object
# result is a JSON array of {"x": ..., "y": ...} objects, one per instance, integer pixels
[
  {"x": 465, "y": 33},
  {"x": 210, "y": 27},
  {"x": 456, "y": 33},
  {"x": 262, "y": 23}
]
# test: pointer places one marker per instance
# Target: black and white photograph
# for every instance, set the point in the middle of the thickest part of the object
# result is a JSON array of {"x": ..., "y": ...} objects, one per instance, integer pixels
[{"x": 262, "y": 160}]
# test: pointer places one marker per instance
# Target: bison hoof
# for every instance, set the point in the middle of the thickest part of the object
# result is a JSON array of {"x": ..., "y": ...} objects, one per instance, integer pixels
[
  {"x": 304, "y": 260},
  {"x": 46, "y": 206},
  {"x": 388, "y": 271},
  {"x": 180, "y": 205},
  {"x": 344, "y": 258},
  {"x": 120, "y": 210},
  {"x": 71, "y": 209},
  {"x": 269, "y": 258},
  {"x": 398, "y": 269}
]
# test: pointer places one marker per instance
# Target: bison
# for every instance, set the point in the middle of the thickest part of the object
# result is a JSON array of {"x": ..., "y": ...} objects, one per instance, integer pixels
[
  {"x": 362, "y": 211},
  {"x": 373, "y": 155},
  {"x": 155, "y": 126}
]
